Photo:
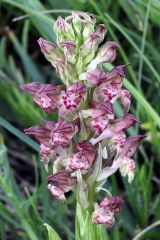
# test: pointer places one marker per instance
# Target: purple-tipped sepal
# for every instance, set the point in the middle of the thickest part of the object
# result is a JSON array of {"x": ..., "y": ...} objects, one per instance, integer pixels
[{"x": 59, "y": 184}]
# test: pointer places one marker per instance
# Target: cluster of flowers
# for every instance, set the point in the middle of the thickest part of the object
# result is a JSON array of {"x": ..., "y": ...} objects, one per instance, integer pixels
[{"x": 87, "y": 144}]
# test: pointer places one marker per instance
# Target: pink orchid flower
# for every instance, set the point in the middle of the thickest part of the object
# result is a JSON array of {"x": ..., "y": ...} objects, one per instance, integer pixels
[
  {"x": 59, "y": 184},
  {"x": 104, "y": 213},
  {"x": 45, "y": 95}
]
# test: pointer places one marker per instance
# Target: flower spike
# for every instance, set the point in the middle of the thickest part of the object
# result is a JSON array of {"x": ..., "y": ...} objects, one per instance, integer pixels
[{"x": 88, "y": 142}]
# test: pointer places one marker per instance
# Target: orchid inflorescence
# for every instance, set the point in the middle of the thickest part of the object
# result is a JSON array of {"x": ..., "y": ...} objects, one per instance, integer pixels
[{"x": 88, "y": 143}]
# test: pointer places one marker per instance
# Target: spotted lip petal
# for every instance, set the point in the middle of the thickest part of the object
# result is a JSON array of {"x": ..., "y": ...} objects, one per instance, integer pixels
[
  {"x": 116, "y": 143},
  {"x": 45, "y": 150},
  {"x": 104, "y": 214},
  {"x": 83, "y": 157},
  {"x": 71, "y": 100},
  {"x": 106, "y": 92},
  {"x": 88, "y": 150}
]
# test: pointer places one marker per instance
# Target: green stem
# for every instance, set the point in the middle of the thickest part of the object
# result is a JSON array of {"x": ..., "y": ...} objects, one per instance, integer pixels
[
  {"x": 85, "y": 228},
  {"x": 91, "y": 198}
]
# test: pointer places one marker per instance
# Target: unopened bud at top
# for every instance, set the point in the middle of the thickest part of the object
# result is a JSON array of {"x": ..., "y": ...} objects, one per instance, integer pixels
[
  {"x": 107, "y": 53},
  {"x": 63, "y": 30}
]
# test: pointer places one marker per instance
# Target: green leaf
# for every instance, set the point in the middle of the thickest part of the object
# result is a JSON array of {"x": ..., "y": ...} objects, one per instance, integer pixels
[{"x": 52, "y": 234}]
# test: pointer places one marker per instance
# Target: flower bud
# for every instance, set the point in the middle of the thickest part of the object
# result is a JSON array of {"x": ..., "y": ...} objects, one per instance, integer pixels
[
  {"x": 63, "y": 30},
  {"x": 88, "y": 25},
  {"x": 51, "y": 52},
  {"x": 91, "y": 43},
  {"x": 69, "y": 50},
  {"x": 66, "y": 72},
  {"x": 101, "y": 30},
  {"x": 46, "y": 46},
  {"x": 107, "y": 53},
  {"x": 77, "y": 24},
  {"x": 90, "y": 47},
  {"x": 125, "y": 100}
]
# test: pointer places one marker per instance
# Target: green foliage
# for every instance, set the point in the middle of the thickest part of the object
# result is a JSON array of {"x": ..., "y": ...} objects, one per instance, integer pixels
[
  {"x": 24, "y": 208},
  {"x": 52, "y": 235}
]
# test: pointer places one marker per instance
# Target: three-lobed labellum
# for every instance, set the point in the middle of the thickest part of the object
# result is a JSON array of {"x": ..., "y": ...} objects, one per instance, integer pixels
[{"x": 86, "y": 118}]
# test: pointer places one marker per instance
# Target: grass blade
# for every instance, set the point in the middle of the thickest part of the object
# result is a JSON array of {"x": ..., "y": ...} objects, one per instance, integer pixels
[{"x": 19, "y": 134}]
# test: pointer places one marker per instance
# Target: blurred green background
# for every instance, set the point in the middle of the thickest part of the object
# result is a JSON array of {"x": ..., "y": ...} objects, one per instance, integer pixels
[{"x": 25, "y": 203}]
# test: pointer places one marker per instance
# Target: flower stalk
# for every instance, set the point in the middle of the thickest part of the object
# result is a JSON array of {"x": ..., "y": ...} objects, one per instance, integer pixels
[{"x": 88, "y": 143}]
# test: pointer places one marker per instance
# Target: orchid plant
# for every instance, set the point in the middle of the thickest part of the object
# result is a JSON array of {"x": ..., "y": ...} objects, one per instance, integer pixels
[{"x": 88, "y": 143}]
